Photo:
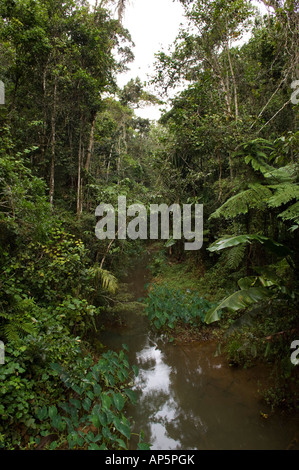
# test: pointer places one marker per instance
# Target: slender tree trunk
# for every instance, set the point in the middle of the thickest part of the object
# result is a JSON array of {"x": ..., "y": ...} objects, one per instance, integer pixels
[
  {"x": 231, "y": 167},
  {"x": 90, "y": 145},
  {"x": 79, "y": 172},
  {"x": 119, "y": 159},
  {"x": 44, "y": 132},
  {"x": 228, "y": 87},
  {"x": 81, "y": 185},
  {"x": 220, "y": 175},
  {"x": 109, "y": 163},
  {"x": 234, "y": 82},
  {"x": 225, "y": 89},
  {"x": 53, "y": 145}
]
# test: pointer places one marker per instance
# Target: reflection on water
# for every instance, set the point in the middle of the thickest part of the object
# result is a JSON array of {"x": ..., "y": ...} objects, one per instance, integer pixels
[{"x": 189, "y": 399}]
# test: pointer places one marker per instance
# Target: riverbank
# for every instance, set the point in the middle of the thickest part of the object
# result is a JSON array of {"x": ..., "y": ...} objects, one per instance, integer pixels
[{"x": 188, "y": 394}]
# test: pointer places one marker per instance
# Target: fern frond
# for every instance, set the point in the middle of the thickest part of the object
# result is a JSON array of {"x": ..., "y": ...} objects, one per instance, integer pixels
[
  {"x": 285, "y": 174},
  {"x": 235, "y": 256},
  {"x": 107, "y": 279},
  {"x": 284, "y": 193},
  {"x": 6, "y": 316},
  {"x": 109, "y": 282},
  {"x": 16, "y": 330},
  {"x": 292, "y": 213},
  {"x": 254, "y": 197}
]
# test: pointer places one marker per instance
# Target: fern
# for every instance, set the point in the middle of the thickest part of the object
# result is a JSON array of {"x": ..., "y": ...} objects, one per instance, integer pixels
[
  {"x": 14, "y": 331},
  {"x": 108, "y": 281},
  {"x": 254, "y": 197},
  {"x": 284, "y": 193},
  {"x": 235, "y": 256},
  {"x": 285, "y": 174},
  {"x": 15, "y": 327},
  {"x": 292, "y": 213}
]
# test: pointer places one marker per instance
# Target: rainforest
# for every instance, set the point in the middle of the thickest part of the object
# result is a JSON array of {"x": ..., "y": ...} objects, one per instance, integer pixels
[{"x": 111, "y": 342}]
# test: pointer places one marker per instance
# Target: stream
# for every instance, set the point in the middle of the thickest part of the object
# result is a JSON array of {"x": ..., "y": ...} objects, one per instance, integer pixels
[{"x": 190, "y": 399}]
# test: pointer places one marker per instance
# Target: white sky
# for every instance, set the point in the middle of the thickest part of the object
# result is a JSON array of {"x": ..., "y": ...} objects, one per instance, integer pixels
[{"x": 154, "y": 25}]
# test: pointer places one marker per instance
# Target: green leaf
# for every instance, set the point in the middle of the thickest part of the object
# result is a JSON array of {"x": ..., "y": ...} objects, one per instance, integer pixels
[
  {"x": 121, "y": 443},
  {"x": 97, "y": 390},
  {"x": 75, "y": 403},
  {"x": 170, "y": 243},
  {"x": 86, "y": 404},
  {"x": 119, "y": 401},
  {"x": 143, "y": 446},
  {"x": 42, "y": 413},
  {"x": 96, "y": 421},
  {"x": 52, "y": 411},
  {"x": 53, "y": 445},
  {"x": 94, "y": 446},
  {"x": 271, "y": 245},
  {"x": 123, "y": 428},
  {"x": 238, "y": 301},
  {"x": 106, "y": 401},
  {"x": 77, "y": 389},
  {"x": 90, "y": 395},
  {"x": 131, "y": 395},
  {"x": 57, "y": 423}
]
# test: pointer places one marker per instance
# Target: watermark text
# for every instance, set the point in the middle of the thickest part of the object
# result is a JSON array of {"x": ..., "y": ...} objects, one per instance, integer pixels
[{"x": 135, "y": 223}]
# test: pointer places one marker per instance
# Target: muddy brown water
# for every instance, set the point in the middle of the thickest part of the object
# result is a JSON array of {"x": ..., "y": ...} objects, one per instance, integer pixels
[{"x": 190, "y": 399}]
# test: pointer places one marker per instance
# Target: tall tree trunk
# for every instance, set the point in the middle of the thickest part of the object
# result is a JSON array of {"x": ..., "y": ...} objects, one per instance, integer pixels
[
  {"x": 220, "y": 174},
  {"x": 44, "y": 130},
  {"x": 119, "y": 159},
  {"x": 81, "y": 186},
  {"x": 225, "y": 89},
  {"x": 90, "y": 145},
  {"x": 109, "y": 163},
  {"x": 79, "y": 172},
  {"x": 234, "y": 82},
  {"x": 53, "y": 145}
]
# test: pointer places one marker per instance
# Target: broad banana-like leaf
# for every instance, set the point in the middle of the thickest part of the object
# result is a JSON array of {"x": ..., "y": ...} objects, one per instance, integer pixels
[
  {"x": 251, "y": 281},
  {"x": 247, "y": 282},
  {"x": 238, "y": 301},
  {"x": 272, "y": 245}
]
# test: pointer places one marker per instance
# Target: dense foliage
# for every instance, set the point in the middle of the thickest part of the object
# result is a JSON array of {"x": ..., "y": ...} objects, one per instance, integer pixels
[
  {"x": 70, "y": 139},
  {"x": 166, "y": 308}
]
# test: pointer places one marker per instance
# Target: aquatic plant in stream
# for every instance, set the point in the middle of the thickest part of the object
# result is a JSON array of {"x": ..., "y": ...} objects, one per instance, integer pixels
[{"x": 168, "y": 308}]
